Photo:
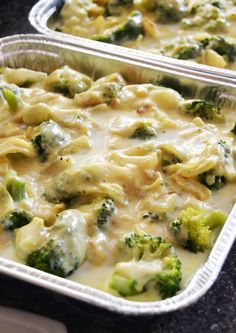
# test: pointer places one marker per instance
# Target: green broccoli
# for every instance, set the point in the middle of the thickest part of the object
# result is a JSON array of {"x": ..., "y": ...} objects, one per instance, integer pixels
[
  {"x": 48, "y": 137},
  {"x": 129, "y": 30},
  {"x": 147, "y": 262},
  {"x": 143, "y": 132},
  {"x": 185, "y": 52},
  {"x": 106, "y": 210},
  {"x": 17, "y": 218},
  {"x": 211, "y": 180},
  {"x": 203, "y": 109},
  {"x": 12, "y": 87},
  {"x": 111, "y": 91},
  {"x": 192, "y": 48},
  {"x": 187, "y": 48},
  {"x": 16, "y": 187},
  {"x": 68, "y": 82},
  {"x": 12, "y": 98},
  {"x": 170, "y": 11},
  {"x": 195, "y": 229},
  {"x": 210, "y": 15},
  {"x": 222, "y": 46},
  {"x": 65, "y": 249}
]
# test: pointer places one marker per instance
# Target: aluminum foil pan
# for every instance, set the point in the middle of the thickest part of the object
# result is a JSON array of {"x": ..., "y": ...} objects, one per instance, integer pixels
[
  {"x": 46, "y": 53},
  {"x": 45, "y": 10}
]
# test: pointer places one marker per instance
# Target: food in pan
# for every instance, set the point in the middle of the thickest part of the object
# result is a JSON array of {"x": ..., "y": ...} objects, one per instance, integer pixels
[
  {"x": 195, "y": 30},
  {"x": 123, "y": 187}
]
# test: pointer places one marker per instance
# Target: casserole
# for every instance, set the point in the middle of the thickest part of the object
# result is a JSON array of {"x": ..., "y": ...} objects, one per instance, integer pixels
[{"x": 41, "y": 53}]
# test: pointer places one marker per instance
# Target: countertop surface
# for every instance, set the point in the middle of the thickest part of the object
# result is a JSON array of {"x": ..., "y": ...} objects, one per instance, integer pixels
[{"x": 215, "y": 312}]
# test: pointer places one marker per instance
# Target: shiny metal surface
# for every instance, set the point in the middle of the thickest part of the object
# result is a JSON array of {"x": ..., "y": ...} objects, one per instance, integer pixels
[
  {"x": 44, "y": 10},
  {"x": 46, "y": 53}
]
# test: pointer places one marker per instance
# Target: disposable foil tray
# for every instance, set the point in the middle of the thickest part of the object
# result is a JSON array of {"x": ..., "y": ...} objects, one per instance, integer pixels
[
  {"x": 44, "y": 11},
  {"x": 43, "y": 53}
]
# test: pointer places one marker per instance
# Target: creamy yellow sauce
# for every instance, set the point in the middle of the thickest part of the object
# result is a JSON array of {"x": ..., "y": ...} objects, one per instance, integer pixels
[
  {"x": 98, "y": 124},
  {"x": 184, "y": 29}
]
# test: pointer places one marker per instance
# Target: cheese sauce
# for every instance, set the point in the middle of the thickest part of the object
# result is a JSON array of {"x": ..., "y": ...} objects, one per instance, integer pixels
[{"x": 137, "y": 144}]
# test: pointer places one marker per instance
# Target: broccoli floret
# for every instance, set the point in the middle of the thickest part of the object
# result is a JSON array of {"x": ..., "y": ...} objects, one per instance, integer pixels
[
  {"x": 50, "y": 258},
  {"x": 203, "y": 109},
  {"x": 147, "y": 262},
  {"x": 16, "y": 187},
  {"x": 194, "y": 228},
  {"x": 170, "y": 11},
  {"x": 188, "y": 52},
  {"x": 106, "y": 210},
  {"x": 211, "y": 180},
  {"x": 17, "y": 218},
  {"x": 129, "y": 30},
  {"x": 221, "y": 46},
  {"x": 111, "y": 91},
  {"x": 48, "y": 137},
  {"x": 209, "y": 15},
  {"x": 185, "y": 49},
  {"x": 143, "y": 132},
  {"x": 114, "y": 7},
  {"x": 65, "y": 249},
  {"x": 68, "y": 82}
]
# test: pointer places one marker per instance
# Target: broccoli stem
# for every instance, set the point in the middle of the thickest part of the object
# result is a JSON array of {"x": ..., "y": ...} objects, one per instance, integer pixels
[
  {"x": 11, "y": 99},
  {"x": 16, "y": 188}
]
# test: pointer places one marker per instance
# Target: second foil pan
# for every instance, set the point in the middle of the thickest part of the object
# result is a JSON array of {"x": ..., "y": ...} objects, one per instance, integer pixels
[{"x": 45, "y": 11}]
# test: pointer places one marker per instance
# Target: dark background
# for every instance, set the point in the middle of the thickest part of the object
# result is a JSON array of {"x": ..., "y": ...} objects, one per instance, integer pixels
[{"x": 216, "y": 312}]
